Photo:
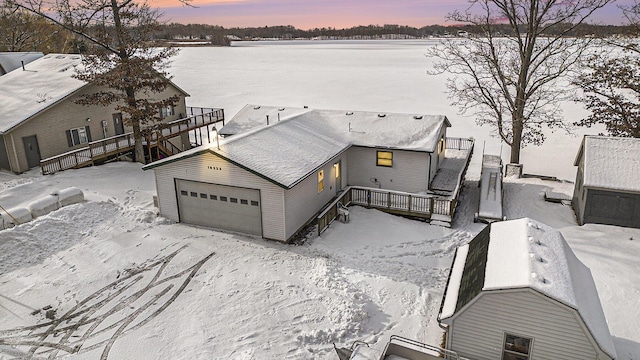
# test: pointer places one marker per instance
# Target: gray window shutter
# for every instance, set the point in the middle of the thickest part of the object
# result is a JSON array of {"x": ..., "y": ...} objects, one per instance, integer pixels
[
  {"x": 88, "y": 130},
  {"x": 69, "y": 140}
]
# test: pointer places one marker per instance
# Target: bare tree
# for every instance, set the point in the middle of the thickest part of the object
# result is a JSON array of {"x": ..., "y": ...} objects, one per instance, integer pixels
[
  {"x": 513, "y": 80},
  {"x": 120, "y": 57},
  {"x": 611, "y": 82},
  {"x": 22, "y": 31}
]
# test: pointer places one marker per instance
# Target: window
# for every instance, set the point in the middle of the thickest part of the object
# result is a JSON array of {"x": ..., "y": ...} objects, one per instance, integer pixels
[
  {"x": 184, "y": 192},
  {"x": 516, "y": 347},
  {"x": 166, "y": 111},
  {"x": 194, "y": 194},
  {"x": 223, "y": 198},
  {"x": 234, "y": 200},
  {"x": 213, "y": 197},
  {"x": 77, "y": 136},
  {"x": 203, "y": 196},
  {"x": 320, "y": 181},
  {"x": 244, "y": 202},
  {"x": 385, "y": 158},
  {"x": 254, "y": 203}
]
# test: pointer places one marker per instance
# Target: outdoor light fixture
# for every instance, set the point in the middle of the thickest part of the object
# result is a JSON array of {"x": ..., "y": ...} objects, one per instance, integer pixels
[{"x": 88, "y": 119}]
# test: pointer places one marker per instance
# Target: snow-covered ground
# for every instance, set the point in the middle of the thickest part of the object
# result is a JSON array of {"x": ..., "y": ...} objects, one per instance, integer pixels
[
  {"x": 107, "y": 278},
  {"x": 230, "y": 296}
]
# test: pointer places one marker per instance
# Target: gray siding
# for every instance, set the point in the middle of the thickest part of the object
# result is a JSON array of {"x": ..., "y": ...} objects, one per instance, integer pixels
[
  {"x": 556, "y": 330},
  {"x": 303, "y": 200},
  {"x": 4, "y": 160},
  {"x": 51, "y": 125},
  {"x": 409, "y": 172},
  {"x": 204, "y": 168}
]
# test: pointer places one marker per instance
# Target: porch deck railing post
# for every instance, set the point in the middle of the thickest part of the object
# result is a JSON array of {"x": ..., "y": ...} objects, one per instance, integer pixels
[
  {"x": 409, "y": 204},
  {"x": 368, "y": 198},
  {"x": 389, "y": 200}
]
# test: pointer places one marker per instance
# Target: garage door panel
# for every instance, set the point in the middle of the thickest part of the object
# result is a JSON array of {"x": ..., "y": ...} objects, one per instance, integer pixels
[{"x": 220, "y": 206}]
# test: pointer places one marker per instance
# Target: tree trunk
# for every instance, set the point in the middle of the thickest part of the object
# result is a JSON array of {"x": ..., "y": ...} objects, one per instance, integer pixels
[{"x": 517, "y": 141}]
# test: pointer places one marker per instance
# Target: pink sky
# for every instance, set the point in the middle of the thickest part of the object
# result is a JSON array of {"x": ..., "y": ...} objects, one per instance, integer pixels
[{"x": 306, "y": 14}]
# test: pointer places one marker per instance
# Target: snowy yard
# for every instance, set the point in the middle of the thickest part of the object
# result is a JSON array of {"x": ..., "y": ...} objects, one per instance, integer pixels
[{"x": 120, "y": 283}]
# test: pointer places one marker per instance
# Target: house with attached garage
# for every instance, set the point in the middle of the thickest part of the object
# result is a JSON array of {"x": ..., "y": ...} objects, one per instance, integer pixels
[
  {"x": 278, "y": 168},
  {"x": 40, "y": 119},
  {"x": 517, "y": 292},
  {"x": 607, "y": 188}
]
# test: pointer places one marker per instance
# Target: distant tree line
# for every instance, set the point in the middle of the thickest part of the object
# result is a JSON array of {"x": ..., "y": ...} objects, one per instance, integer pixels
[{"x": 218, "y": 35}]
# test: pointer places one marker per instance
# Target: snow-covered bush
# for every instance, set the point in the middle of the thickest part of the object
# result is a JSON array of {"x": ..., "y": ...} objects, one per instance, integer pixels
[
  {"x": 43, "y": 206},
  {"x": 22, "y": 215}
]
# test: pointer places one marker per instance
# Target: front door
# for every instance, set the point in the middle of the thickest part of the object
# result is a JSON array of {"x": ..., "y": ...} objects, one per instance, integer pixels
[
  {"x": 337, "y": 167},
  {"x": 118, "y": 126},
  {"x": 32, "y": 151}
]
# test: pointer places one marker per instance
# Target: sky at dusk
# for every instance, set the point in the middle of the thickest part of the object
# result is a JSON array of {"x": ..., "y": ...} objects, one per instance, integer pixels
[{"x": 307, "y": 14}]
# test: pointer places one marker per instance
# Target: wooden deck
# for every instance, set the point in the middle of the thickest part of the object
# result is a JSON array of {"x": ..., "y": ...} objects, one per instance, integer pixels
[
  {"x": 438, "y": 207},
  {"x": 115, "y": 146}
]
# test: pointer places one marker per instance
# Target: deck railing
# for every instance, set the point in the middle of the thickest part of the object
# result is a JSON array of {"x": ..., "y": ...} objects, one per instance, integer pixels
[
  {"x": 459, "y": 143},
  {"x": 116, "y": 145},
  {"x": 87, "y": 155},
  {"x": 396, "y": 202}
]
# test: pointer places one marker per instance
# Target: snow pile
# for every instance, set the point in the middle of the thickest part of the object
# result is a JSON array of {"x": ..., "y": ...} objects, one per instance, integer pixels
[
  {"x": 44, "y": 205},
  {"x": 41, "y": 207},
  {"x": 14, "y": 216}
]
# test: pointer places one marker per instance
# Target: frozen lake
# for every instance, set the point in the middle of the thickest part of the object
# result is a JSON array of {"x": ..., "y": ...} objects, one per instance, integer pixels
[{"x": 374, "y": 75}]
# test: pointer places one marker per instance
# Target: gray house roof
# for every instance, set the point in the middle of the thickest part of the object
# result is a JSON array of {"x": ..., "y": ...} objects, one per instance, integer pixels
[
  {"x": 289, "y": 150},
  {"x": 611, "y": 163},
  {"x": 10, "y": 61},
  {"x": 44, "y": 82},
  {"x": 521, "y": 254}
]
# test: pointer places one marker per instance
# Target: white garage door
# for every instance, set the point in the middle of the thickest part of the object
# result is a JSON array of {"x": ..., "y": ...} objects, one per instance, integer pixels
[{"x": 219, "y": 206}]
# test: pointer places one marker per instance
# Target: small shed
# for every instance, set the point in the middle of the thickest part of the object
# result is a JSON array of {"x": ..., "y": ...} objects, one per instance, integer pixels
[
  {"x": 517, "y": 291},
  {"x": 607, "y": 189}
]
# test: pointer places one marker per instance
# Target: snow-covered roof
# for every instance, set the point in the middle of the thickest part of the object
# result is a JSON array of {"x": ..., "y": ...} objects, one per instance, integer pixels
[
  {"x": 525, "y": 253},
  {"x": 289, "y": 150},
  {"x": 611, "y": 162},
  {"x": 10, "y": 61},
  {"x": 417, "y": 132},
  {"x": 44, "y": 82}
]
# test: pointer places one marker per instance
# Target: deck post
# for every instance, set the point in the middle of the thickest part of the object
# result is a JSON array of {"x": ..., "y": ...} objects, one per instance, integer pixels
[
  {"x": 431, "y": 203},
  {"x": 409, "y": 204},
  {"x": 368, "y": 198},
  {"x": 388, "y": 200}
]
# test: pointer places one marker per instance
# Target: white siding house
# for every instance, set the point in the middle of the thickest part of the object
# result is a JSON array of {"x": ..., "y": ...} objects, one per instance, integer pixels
[
  {"x": 297, "y": 164},
  {"x": 517, "y": 291}
]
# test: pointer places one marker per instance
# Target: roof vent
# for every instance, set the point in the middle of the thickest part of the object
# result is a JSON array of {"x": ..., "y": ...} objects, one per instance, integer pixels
[
  {"x": 280, "y": 109},
  {"x": 256, "y": 107},
  {"x": 382, "y": 115},
  {"x": 60, "y": 57},
  {"x": 417, "y": 117},
  {"x": 349, "y": 113}
]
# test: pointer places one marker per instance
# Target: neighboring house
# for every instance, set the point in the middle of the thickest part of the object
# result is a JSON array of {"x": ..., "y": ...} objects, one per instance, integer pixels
[
  {"x": 517, "y": 291},
  {"x": 10, "y": 61},
  {"x": 40, "y": 118},
  {"x": 271, "y": 180},
  {"x": 607, "y": 189}
]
